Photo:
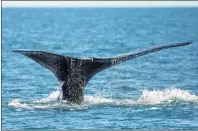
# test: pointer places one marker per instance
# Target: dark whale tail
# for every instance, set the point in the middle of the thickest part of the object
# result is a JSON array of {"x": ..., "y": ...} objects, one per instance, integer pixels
[{"x": 74, "y": 73}]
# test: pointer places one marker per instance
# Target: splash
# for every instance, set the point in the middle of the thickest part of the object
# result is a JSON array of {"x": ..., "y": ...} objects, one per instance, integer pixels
[
  {"x": 17, "y": 104},
  {"x": 52, "y": 97},
  {"x": 167, "y": 95},
  {"x": 153, "y": 97}
]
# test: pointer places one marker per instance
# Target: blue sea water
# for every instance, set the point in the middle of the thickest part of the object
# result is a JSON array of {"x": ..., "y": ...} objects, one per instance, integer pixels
[{"x": 156, "y": 91}]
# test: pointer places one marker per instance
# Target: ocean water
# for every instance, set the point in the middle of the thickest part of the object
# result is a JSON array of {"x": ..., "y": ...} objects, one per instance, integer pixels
[{"x": 156, "y": 91}]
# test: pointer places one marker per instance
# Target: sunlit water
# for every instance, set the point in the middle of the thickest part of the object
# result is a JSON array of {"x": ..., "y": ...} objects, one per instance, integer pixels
[{"x": 157, "y": 91}]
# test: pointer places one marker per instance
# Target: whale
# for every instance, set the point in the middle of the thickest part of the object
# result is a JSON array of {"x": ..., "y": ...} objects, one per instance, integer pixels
[{"x": 73, "y": 74}]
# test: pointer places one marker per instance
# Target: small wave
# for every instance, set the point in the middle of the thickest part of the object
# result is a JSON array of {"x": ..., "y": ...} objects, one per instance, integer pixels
[{"x": 152, "y": 97}]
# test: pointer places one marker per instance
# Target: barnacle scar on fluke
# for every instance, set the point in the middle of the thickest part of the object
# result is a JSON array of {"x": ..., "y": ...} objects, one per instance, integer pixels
[{"x": 74, "y": 73}]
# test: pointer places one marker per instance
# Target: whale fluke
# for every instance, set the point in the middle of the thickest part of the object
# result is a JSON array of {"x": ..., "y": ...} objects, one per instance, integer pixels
[{"x": 74, "y": 73}]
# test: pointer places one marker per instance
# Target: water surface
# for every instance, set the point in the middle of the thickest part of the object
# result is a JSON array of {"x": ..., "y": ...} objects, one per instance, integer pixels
[{"x": 157, "y": 91}]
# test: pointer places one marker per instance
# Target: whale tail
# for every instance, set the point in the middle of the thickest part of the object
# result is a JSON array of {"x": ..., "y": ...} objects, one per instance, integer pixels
[{"x": 74, "y": 73}]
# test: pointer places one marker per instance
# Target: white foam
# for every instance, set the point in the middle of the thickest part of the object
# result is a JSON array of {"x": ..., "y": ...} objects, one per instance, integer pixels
[
  {"x": 167, "y": 95},
  {"x": 18, "y": 104},
  {"x": 97, "y": 100},
  {"x": 54, "y": 96},
  {"x": 155, "y": 108},
  {"x": 152, "y": 97}
]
